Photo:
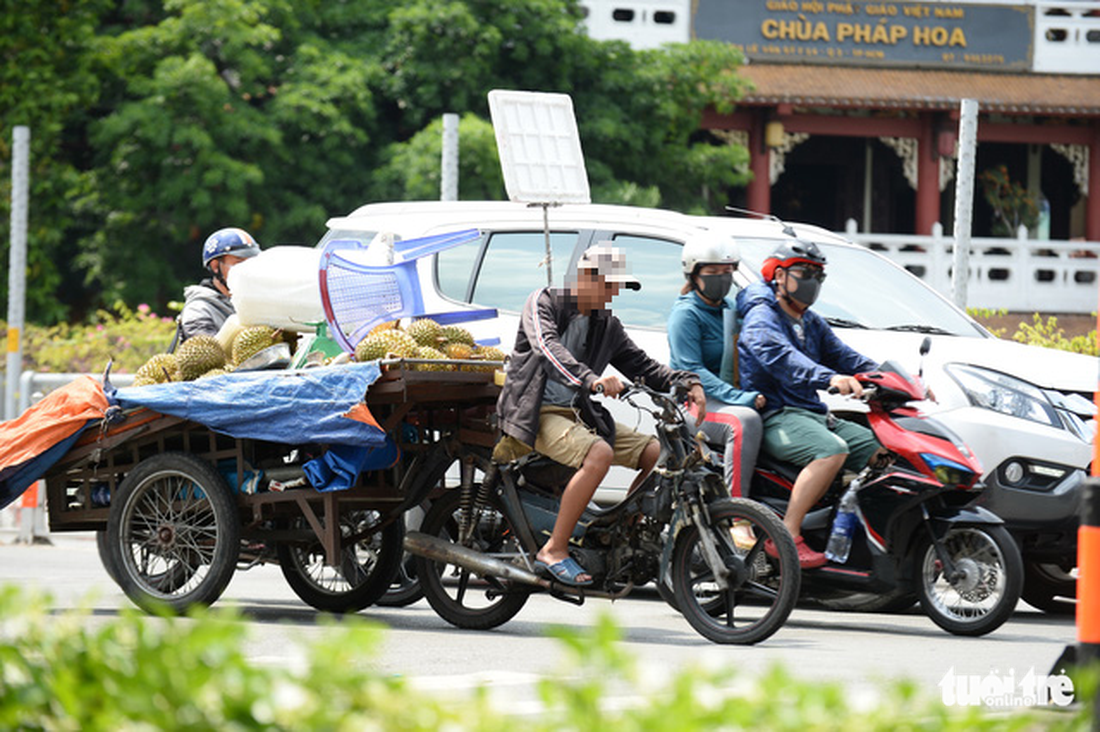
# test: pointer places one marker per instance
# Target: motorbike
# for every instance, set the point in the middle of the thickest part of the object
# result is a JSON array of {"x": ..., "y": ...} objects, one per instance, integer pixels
[
  {"x": 475, "y": 550},
  {"x": 917, "y": 534}
]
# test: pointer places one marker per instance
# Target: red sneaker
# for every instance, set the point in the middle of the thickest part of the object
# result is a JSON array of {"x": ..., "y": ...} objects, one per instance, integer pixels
[{"x": 807, "y": 557}]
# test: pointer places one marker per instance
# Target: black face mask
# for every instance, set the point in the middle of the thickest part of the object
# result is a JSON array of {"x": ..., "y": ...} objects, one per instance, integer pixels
[
  {"x": 716, "y": 287},
  {"x": 805, "y": 291}
]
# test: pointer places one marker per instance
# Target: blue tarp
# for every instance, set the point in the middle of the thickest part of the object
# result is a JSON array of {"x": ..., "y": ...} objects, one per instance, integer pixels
[{"x": 290, "y": 407}]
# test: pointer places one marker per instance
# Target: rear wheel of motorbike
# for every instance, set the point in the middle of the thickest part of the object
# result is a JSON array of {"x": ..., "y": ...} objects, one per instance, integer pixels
[
  {"x": 987, "y": 589},
  {"x": 1050, "y": 587},
  {"x": 364, "y": 570},
  {"x": 458, "y": 595},
  {"x": 762, "y": 590}
]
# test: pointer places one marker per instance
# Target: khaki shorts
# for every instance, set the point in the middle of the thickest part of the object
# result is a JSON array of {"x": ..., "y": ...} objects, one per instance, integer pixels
[{"x": 563, "y": 437}]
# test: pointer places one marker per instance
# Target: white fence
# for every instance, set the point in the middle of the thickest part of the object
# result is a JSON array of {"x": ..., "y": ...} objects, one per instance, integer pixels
[{"x": 1019, "y": 275}]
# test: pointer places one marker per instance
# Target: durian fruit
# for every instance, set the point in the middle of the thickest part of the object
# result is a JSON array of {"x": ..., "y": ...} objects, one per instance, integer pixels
[
  {"x": 426, "y": 332},
  {"x": 160, "y": 369},
  {"x": 199, "y": 354},
  {"x": 216, "y": 372},
  {"x": 252, "y": 340},
  {"x": 458, "y": 334},
  {"x": 429, "y": 353},
  {"x": 382, "y": 327},
  {"x": 389, "y": 342},
  {"x": 458, "y": 351},
  {"x": 488, "y": 353}
]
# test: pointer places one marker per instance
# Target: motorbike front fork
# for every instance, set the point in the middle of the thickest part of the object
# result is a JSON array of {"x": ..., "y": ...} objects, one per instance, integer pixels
[{"x": 950, "y": 572}]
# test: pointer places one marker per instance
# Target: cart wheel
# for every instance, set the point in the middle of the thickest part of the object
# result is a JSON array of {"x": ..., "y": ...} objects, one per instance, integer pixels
[
  {"x": 363, "y": 574},
  {"x": 173, "y": 533},
  {"x": 104, "y": 550},
  {"x": 405, "y": 588}
]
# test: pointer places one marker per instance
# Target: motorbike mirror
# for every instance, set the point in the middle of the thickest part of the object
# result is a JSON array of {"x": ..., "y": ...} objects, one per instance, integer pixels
[{"x": 925, "y": 347}]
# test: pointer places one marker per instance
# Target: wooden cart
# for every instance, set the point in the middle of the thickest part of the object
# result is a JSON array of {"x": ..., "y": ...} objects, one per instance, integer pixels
[{"x": 179, "y": 507}]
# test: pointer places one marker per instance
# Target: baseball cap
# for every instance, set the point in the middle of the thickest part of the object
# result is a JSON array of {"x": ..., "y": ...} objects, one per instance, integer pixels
[{"x": 610, "y": 263}]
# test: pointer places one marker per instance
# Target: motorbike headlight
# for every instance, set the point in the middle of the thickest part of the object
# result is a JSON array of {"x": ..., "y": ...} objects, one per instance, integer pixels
[
  {"x": 1005, "y": 394},
  {"x": 947, "y": 471}
]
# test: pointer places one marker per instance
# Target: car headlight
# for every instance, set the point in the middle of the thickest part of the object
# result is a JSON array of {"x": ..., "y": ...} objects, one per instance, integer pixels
[{"x": 1005, "y": 394}]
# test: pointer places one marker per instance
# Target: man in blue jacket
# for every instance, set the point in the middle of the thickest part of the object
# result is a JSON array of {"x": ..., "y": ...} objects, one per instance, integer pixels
[{"x": 787, "y": 353}]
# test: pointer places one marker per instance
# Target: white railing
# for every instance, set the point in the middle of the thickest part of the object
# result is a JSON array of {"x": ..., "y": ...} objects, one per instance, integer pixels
[{"x": 1019, "y": 275}]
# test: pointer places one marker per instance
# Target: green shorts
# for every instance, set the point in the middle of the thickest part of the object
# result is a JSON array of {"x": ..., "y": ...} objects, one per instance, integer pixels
[
  {"x": 563, "y": 437},
  {"x": 799, "y": 436}
]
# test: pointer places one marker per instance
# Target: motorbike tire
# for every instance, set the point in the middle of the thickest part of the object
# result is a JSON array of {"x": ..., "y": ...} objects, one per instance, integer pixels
[
  {"x": 363, "y": 574},
  {"x": 985, "y": 597},
  {"x": 173, "y": 533},
  {"x": 772, "y": 582},
  {"x": 456, "y": 594},
  {"x": 1050, "y": 588}
]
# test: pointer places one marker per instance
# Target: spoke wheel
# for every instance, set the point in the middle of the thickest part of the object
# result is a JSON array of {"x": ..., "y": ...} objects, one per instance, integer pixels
[
  {"x": 405, "y": 588},
  {"x": 363, "y": 571},
  {"x": 761, "y": 590},
  {"x": 459, "y": 596},
  {"x": 989, "y": 577},
  {"x": 173, "y": 534}
]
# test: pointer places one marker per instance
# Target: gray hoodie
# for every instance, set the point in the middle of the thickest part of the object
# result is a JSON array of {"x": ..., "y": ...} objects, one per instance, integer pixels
[{"x": 204, "y": 310}]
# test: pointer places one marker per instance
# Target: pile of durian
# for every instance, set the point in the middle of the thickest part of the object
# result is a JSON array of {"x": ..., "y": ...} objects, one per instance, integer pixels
[
  {"x": 426, "y": 340},
  {"x": 203, "y": 356}
]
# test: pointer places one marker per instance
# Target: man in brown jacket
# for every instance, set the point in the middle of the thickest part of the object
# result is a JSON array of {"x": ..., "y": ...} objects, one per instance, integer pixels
[{"x": 566, "y": 338}]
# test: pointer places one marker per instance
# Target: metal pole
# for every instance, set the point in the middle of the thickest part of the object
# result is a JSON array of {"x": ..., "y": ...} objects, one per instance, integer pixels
[
  {"x": 17, "y": 262},
  {"x": 448, "y": 181},
  {"x": 964, "y": 199}
]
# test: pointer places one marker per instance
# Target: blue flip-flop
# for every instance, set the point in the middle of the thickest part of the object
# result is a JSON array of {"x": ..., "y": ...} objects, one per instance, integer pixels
[{"x": 566, "y": 571}]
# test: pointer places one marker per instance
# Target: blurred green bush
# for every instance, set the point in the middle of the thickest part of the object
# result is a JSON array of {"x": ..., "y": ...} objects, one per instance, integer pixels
[{"x": 133, "y": 671}]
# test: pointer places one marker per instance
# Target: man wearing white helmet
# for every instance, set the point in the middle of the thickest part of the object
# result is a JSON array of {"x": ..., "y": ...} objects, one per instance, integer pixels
[
  {"x": 701, "y": 329},
  {"x": 207, "y": 305}
]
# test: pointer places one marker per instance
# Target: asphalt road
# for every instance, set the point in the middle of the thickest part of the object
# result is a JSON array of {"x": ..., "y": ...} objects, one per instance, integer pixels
[{"x": 856, "y": 649}]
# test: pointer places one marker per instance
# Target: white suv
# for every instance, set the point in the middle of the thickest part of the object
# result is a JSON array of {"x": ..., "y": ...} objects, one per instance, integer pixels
[{"x": 1024, "y": 410}]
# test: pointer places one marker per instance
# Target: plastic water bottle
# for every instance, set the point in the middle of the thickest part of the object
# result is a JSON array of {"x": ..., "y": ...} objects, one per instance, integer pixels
[{"x": 844, "y": 525}]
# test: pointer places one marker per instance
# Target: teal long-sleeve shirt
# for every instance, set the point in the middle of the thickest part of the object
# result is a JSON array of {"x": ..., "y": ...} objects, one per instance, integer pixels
[{"x": 696, "y": 342}]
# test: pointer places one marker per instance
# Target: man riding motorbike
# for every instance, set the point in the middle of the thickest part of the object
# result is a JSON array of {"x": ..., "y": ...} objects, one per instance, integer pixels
[
  {"x": 566, "y": 338},
  {"x": 787, "y": 353}
]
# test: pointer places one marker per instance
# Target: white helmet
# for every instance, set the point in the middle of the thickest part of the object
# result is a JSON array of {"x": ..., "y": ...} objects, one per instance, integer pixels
[{"x": 708, "y": 249}]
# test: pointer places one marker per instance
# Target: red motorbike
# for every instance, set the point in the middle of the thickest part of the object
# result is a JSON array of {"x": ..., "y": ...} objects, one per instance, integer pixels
[{"x": 916, "y": 533}]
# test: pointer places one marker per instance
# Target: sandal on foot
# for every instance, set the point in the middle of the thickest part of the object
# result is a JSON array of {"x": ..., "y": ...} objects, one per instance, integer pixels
[{"x": 566, "y": 571}]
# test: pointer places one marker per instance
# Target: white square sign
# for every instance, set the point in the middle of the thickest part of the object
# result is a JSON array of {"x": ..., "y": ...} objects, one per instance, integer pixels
[{"x": 539, "y": 147}]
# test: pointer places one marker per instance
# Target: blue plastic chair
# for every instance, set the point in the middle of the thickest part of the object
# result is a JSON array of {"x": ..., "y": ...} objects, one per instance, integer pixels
[{"x": 358, "y": 296}]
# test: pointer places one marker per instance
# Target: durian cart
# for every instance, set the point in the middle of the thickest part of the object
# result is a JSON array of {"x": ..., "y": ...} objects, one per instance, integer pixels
[{"x": 311, "y": 469}]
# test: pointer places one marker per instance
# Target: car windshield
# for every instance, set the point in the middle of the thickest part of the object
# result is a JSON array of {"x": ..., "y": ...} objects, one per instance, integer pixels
[{"x": 863, "y": 290}]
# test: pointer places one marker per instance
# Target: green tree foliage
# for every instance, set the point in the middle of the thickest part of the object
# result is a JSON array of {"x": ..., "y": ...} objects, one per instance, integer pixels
[{"x": 156, "y": 122}]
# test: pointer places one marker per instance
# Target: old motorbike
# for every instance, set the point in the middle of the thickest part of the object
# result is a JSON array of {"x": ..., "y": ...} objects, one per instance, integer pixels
[
  {"x": 475, "y": 550},
  {"x": 917, "y": 534}
]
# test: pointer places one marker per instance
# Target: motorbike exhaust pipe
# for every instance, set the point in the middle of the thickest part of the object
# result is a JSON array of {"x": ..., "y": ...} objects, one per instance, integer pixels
[{"x": 440, "y": 550}]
